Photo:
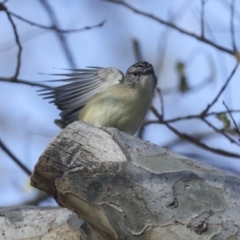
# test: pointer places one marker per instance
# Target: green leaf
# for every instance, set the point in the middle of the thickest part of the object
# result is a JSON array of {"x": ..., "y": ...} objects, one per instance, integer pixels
[
  {"x": 183, "y": 83},
  {"x": 223, "y": 118}
]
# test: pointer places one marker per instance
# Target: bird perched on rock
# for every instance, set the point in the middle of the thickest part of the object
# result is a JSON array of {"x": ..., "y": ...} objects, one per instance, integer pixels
[{"x": 104, "y": 96}]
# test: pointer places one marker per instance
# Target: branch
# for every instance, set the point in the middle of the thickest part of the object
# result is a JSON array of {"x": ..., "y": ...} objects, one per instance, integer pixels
[
  {"x": 199, "y": 136},
  {"x": 202, "y": 17},
  {"x": 220, "y": 131},
  {"x": 196, "y": 116},
  {"x": 173, "y": 26},
  {"x": 18, "y": 65},
  {"x": 55, "y": 28},
  {"x": 221, "y": 90},
  {"x": 41, "y": 196},
  {"x": 200, "y": 144},
  {"x": 190, "y": 138},
  {"x": 232, "y": 25},
  {"x": 141, "y": 132},
  {"x": 14, "y": 158},
  {"x": 161, "y": 101},
  {"x": 235, "y": 124},
  {"x": 26, "y": 82},
  {"x": 136, "y": 50},
  {"x": 46, "y": 5}
]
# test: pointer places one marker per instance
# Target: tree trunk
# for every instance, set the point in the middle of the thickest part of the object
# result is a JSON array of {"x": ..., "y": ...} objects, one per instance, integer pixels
[{"x": 125, "y": 188}]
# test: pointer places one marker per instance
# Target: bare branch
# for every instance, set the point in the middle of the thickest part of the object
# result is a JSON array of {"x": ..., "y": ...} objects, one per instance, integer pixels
[
  {"x": 202, "y": 17},
  {"x": 2, "y": 6},
  {"x": 235, "y": 124},
  {"x": 141, "y": 131},
  {"x": 221, "y": 90},
  {"x": 161, "y": 101},
  {"x": 55, "y": 28},
  {"x": 199, "y": 136},
  {"x": 14, "y": 158},
  {"x": 137, "y": 50},
  {"x": 173, "y": 26},
  {"x": 63, "y": 42},
  {"x": 41, "y": 196},
  {"x": 157, "y": 114},
  {"x": 200, "y": 144},
  {"x": 232, "y": 25},
  {"x": 188, "y": 117},
  {"x": 18, "y": 65},
  {"x": 220, "y": 131},
  {"x": 192, "y": 139},
  {"x": 26, "y": 82}
]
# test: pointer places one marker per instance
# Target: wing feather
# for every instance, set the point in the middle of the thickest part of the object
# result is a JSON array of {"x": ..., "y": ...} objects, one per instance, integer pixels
[{"x": 82, "y": 84}]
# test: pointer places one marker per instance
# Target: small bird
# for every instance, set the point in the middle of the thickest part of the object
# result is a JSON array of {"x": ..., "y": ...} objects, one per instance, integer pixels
[{"x": 104, "y": 97}]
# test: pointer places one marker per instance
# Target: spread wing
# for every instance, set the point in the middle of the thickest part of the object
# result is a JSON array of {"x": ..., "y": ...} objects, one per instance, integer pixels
[{"x": 82, "y": 84}]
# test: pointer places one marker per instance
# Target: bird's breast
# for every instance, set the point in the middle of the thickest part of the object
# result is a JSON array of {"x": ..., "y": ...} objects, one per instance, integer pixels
[{"x": 118, "y": 106}]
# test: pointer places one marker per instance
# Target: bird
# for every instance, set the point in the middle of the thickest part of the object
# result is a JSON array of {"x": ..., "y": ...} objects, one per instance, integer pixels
[{"x": 104, "y": 97}]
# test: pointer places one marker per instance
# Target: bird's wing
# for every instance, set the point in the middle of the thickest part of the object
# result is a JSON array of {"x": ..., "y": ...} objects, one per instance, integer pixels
[{"x": 83, "y": 84}]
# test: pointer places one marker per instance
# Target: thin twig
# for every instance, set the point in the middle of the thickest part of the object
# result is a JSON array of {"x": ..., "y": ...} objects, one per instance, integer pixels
[
  {"x": 198, "y": 136},
  {"x": 41, "y": 196},
  {"x": 202, "y": 17},
  {"x": 188, "y": 137},
  {"x": 235, "y": 124},
  {"x": 14, "y": 158},
  {"x": 156, "y": 113},
  {"x": 26, "y": 82},
  {"x": 222, "y": 112},
  {"x": 18, "y": 65},
  {"x": 221, "y": 90},
  {"x": 159, "y": 91},
  {"x": 200, "y": 144},
  {"x": 2, "y": 7},
  {"x": 173, "y": 26},
  {"x": 232, "y": 6},
  {"x": 220, "y": 131},
  {"x": 137, "y": 50},
  {"x": 55, "y": 28},
  {"x": 163, "y": 39},
  {"x": 141, "y": 132},
  {"x": 61, "y": 37},
  {"x": 188, "y": 117}
]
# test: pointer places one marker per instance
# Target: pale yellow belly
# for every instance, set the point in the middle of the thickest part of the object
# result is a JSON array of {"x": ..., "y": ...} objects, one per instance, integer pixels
[{"x": 122, "y": 110}]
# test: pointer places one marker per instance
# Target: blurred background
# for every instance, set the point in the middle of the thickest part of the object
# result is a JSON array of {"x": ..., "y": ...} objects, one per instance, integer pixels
[{"x": 193, "y": 45}]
